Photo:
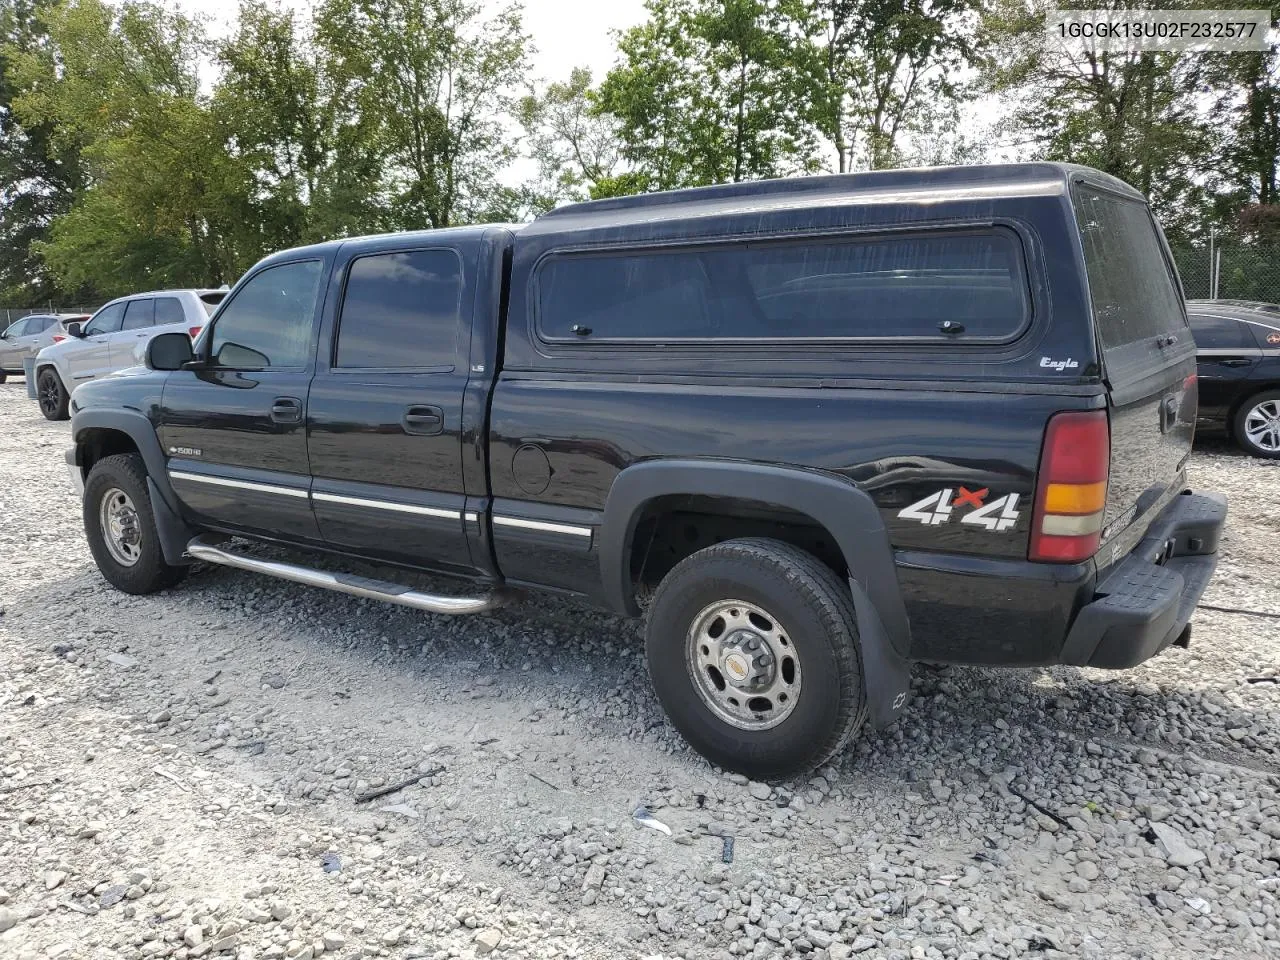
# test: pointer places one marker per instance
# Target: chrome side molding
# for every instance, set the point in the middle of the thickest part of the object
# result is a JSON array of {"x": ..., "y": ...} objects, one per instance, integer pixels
[{"x": 201, "y": 549}]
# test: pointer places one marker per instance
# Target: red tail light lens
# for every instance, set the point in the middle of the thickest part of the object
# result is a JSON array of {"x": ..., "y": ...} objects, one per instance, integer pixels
[
  {"x": 1071, "y": 492},
  {"x": 194, "y": 332},
  {"x": 58, "y": 338}
]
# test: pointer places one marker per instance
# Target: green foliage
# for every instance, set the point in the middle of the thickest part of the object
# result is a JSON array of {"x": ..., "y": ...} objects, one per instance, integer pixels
[{"x": 705, "y": 92}]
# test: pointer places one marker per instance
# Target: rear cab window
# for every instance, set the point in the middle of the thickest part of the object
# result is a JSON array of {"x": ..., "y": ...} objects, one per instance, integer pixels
[{"x": 937, "y": 286}]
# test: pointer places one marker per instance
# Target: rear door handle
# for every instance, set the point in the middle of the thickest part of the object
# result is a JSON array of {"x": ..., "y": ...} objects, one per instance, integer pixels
[
  {"x": 1235, "y": 363},
  {"x": 423, "y": 420},
  {"x": 286, "y": 409}
]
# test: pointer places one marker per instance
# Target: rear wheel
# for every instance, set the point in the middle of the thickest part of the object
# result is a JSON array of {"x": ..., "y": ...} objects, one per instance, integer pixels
[
  {"x": 753, "y": 651},
  {"x": 121, "y": 528},
  {"x": 52, "y": 394},
  {"x": 1257, "y": 424}
]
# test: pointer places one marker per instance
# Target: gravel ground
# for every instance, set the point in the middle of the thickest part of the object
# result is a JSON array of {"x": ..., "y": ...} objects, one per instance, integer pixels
[{"x": 179, "y": 778}]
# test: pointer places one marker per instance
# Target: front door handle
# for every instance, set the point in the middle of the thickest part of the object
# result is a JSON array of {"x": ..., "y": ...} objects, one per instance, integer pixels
[
  {"x": 423, "y": 420},
  {"x": 286, "y": 409}
]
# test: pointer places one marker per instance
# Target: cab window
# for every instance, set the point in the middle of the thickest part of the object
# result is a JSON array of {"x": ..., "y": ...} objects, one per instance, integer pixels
[{"x": 268, "y": 323}]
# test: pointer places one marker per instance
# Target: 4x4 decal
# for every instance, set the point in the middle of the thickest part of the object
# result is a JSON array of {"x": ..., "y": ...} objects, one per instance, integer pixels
[{"x": 998, "y": 515}]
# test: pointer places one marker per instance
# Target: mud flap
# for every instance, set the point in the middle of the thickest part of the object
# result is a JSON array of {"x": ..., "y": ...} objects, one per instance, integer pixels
[
  {"x": 885, "y": 675},
  {"x": 173, "y": 531}
]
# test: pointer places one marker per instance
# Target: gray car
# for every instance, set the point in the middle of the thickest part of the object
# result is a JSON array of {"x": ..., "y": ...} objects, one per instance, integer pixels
[{"x": 26, "y": 337}]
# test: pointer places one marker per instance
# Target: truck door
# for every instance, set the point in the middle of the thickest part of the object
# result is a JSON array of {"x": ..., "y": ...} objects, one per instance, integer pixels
[
  {"x": 234, "y": 429},
  {"x": 385, "y": 414}
]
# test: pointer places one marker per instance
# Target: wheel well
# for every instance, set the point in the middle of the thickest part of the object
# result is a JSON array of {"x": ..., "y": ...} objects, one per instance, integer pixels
[
  {"x": 98, "y": 442},
  {"x": 672, "y": 527}
]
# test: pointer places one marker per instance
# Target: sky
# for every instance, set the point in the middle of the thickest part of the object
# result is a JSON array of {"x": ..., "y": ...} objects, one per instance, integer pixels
[{"x": 566, "y": 33}]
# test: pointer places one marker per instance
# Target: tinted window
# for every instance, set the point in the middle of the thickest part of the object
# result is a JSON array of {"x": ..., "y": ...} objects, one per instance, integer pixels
[
  {"x": 106, "y": 320},
  {"x": 1133, "y": 291},
  {"x": 169, "y": 310},
  {"x": 47, "y": 322},
  {"x": 268, "y": 324},
  {"x": 18, "y": 329},
  {"x": 139, "y": 314},
  {"x": 401, "y": 310},
  {"x": 1212, "y": 332},
  {"x": 872, "y": 288}
]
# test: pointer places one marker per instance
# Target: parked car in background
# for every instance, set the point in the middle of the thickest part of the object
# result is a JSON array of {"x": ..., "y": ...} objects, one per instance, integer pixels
[
  {"x": 115, "y": 338},
  {"x": 1238, "y": 364},
  {"x": 26, "y": 337}
]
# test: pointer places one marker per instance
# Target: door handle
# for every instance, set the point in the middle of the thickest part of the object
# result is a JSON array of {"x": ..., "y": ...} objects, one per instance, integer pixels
[
  {"x": 423, "y": 420},
  {"x": 1235, "y": 363},
  {"x": 286, "y": 409}
]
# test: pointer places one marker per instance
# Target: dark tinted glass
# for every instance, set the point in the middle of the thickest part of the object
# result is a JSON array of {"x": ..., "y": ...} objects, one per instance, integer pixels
[
  {"x": 268, "y": 324},
  {"x": 169, "y": 310},
  {"x": 874, "y": 288},
  {"x": 1133, "y": 291},
  {"x": 106, "y": 320},
  {"x": 1219, "y": 332},
  {"x": 401, "y": 310},
  {"x": 139, "y": 314}
]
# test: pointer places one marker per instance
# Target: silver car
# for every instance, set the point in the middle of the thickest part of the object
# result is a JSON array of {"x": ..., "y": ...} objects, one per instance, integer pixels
[
  {"x": 26, "y": 337},
  {"x": 116, "y": 338}
]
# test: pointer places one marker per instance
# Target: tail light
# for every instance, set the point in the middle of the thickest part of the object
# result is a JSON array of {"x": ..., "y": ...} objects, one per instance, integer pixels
[
  {"x": 194, "y": 332},
  {"x": 58, "y": 338},
  {"x": 1071, "y": 493}
]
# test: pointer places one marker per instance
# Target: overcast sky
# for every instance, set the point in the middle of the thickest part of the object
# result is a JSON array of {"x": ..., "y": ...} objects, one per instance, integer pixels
[{"x": 567, "y": 33}]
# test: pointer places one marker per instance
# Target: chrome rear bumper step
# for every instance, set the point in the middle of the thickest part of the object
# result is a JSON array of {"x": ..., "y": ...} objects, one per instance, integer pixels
[{"x": 201, "y": 549}]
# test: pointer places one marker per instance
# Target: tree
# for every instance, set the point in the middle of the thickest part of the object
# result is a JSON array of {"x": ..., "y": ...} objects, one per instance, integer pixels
[
  {"x": 1133, "y": 114},
  {"x": 574, "y": 144},
  {"x": 706, "y": 91},
  {"x": 434, "y": 83},
  {"x": 121, "y": 85},
  {"x": 40, "y": 173},
  {"x": 878, "y": 65}
]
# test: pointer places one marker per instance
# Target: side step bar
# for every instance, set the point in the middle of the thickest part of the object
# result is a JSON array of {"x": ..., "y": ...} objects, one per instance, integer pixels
[{"x": 201, "y": 549}]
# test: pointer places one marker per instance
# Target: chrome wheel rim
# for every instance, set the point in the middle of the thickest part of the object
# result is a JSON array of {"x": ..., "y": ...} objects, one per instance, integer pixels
[
  {"x": 1262, "y": 426},
  {"x": 48, "y": 394},
  {"x": 120, "y": 528},
  {"x": 743, "y": 665}
]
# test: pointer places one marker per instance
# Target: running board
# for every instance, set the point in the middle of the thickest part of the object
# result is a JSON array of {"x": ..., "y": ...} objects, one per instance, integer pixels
[{"x": 201, "y": 549}]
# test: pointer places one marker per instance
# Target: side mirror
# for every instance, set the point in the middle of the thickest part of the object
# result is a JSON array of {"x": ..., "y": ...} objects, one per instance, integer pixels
[
  {"x": 73, "y": 328},
  {"x": 169, "y": 351}
]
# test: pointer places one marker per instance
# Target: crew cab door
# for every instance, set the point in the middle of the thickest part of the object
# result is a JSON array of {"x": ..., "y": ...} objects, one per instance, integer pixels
[
  {"x": 385, "y": 411},
  {"x": 90, "y": 356},
  {"x": 234, "y": 429}
]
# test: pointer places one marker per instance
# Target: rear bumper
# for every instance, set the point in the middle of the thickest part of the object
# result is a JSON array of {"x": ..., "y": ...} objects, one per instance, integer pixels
[{"x": 1142, "y": 604}]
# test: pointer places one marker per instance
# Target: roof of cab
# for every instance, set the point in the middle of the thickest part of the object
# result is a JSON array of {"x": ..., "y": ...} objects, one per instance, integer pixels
[
  {"x": 913, "y": 185},
  {"x": 395, "y": 238}
]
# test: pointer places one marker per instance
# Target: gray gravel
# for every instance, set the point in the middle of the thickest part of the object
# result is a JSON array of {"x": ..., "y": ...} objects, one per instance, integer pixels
[{"x": 178, "y": 777}]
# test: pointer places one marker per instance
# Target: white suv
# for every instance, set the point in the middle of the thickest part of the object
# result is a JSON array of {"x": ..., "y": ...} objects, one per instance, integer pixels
[{"x": 116, "y": 338}]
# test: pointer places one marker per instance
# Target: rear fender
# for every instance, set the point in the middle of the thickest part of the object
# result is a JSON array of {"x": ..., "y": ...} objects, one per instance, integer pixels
[{"x": 847, "y": 513}]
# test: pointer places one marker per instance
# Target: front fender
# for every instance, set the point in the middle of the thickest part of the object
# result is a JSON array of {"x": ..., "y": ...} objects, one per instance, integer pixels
[{"x": 140, "y": 430}]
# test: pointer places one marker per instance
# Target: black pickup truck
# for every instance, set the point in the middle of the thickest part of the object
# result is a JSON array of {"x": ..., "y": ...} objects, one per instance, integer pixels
[{"x": 815, "y": 429}]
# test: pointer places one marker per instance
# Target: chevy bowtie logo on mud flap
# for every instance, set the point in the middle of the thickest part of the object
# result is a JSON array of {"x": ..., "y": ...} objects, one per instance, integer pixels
[
  {"x": 1059, "y": 365},
  {"x": 998, "y": 515}
]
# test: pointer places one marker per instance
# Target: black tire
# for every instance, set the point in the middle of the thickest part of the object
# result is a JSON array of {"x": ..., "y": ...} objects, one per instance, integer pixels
[
  {"x": 52, "y": 394},
  {"x": 1239, "y": 424},
  {"x": 814, "y": 612},
  {"x": 125, "y": 473}
]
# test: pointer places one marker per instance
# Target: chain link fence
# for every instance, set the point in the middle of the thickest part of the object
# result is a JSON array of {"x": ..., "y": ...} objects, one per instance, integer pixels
[
  {"x": 1245, "y": 271},
  {"x": 10, "y": 315}
]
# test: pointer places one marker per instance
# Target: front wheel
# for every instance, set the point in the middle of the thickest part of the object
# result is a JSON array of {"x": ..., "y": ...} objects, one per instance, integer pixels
[
  {"x": 121, "y": 528},
  {"x": 52, "y": 395},
  {"x": 1257, "y": 426},
  {"x": 753, "y": 651}
]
